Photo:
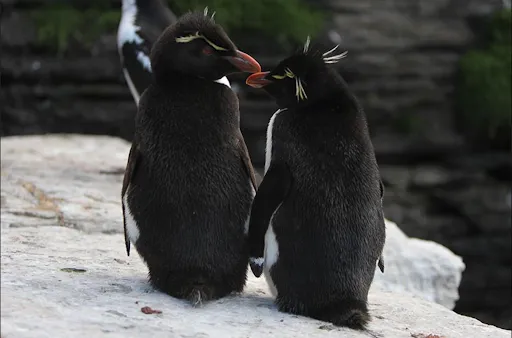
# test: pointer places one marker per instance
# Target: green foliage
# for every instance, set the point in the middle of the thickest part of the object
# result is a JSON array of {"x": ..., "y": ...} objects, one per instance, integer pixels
[
  {"x": 483, "y": 94},
  {"x": 291, "y": 20},
  {"x": 58, "y": 24}
]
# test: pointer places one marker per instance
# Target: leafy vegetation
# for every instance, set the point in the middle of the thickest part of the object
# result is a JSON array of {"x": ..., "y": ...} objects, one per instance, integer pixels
[
  {"x": 291, "y": 20},
  {"x": 483, "y": 94},
  {"x": 58, "y": 24}
]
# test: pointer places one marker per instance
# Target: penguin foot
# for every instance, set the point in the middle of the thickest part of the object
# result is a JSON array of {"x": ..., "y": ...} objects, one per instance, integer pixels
[
  {"x": 256, "y": 264},
  {"x": 196, "y": 298}
]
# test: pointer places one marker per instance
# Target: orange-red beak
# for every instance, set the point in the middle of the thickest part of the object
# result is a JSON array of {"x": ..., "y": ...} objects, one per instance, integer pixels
[
  {"x": 258, "y": 80},
  {"x": 244, "y": 62}
]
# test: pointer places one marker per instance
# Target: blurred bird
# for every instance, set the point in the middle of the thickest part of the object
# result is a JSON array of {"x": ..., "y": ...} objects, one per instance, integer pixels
[
  {"x": 141, "y": 24},
  {"x": 189, "y": 181}
]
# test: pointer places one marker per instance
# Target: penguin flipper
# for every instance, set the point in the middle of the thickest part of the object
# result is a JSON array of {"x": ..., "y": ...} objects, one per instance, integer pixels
[
  {"x": 271, "y": 193},
  {"x": 246, "y": 159},
  {"x": 131, "y": 166},
  {"x": 381, "y": 186}
]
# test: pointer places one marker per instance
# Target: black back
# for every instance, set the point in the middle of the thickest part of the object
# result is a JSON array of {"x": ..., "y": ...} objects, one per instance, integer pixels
[{"x": 191, "y": 193}]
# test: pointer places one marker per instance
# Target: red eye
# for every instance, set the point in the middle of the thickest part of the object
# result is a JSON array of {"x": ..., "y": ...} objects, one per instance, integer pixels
[{"x": 207, "y": 50}]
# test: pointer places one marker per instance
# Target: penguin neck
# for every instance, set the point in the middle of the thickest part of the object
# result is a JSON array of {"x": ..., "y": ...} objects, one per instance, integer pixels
[
  {"x": 333, "y": 88},
  {"x": 173, "y": 78},
  {"x": 168, "y": 77}
]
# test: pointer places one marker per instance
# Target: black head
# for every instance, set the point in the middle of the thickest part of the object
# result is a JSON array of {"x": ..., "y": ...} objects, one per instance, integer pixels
[
  {"x": 301, "y": 78},
  {"x": 196, "y": 45}
]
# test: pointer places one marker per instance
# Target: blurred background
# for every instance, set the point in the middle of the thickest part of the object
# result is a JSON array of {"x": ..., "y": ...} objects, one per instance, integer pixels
[{"x": 433, "y": 75}]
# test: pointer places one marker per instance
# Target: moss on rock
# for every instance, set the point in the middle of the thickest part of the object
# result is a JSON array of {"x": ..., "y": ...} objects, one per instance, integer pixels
[{"x": 483, "y": 93}]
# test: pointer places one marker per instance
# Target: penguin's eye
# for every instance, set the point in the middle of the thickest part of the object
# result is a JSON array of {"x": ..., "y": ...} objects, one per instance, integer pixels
[{"x": 207, "y": 50}]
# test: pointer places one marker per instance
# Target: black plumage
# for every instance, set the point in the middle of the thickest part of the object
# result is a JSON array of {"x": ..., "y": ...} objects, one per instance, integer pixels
[
  {"x": 317, "y": 226},
  {"x": 189, "y": 181}
]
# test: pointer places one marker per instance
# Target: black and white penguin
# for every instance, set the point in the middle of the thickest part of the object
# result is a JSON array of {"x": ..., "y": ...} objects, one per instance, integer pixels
[
  {"x": 189, "y": 181},
  {"x": 141, "y": 24},
  {"x": 317, "y": 227}
]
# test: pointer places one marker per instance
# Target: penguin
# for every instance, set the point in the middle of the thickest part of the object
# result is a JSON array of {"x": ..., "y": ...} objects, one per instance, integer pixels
[
  {"x": 189, "y": 181},
  {"x": 317, "y": 227},
  {"x": 142, "y": 22}
]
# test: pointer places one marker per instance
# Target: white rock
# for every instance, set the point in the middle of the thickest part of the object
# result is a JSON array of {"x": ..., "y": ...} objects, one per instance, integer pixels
[
  {"x": 418, "y": 267},
  {"x": 75, "y": 181},
  {"x": 43, "y": 297}
]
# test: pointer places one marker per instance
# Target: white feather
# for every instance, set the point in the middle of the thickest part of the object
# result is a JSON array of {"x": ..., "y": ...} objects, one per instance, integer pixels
[
  {"x": 271, "y": 256},
  {"x": 268, "y": 149},
  {"x": 306, "y": 45},
  {"x": 132, "y": 230},
  {"x": 127, "y": 31},
  {"x": 271, "y": 246},
  {"x": 224, "y": 81}
]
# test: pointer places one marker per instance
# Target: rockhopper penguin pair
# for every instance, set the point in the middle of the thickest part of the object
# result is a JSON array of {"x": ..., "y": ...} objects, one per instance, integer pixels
[
  {"x": 317, "y": 227},
  {"x": 189, "y": 181},
  {"x": 141, "y": 24}
]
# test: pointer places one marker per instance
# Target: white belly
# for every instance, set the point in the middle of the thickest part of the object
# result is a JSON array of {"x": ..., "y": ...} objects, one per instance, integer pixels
[
  {"x": 271, "y": 246},
  {"x": 271, "y": 255}
]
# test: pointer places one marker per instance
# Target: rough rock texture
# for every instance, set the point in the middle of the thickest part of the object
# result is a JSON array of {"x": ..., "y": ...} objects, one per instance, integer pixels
[
  {"x": 401, "y": 62},
  {"x": 64, "y": 263},
  {"x": 419, "y": 267},
  {"x": 75, "y": 181},
  {"x": 60, "y": 282}
]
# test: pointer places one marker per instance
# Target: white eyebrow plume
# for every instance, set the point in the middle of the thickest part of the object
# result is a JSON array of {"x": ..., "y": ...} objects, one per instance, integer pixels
[
  {"x": 205, "y": 12},
  {"x": 333, "y": 58},
  {"x": 306, "y": 44}
]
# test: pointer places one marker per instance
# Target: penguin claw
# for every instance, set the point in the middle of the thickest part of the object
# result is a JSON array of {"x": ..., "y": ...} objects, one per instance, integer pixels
[{"x": 256, "y": 264}]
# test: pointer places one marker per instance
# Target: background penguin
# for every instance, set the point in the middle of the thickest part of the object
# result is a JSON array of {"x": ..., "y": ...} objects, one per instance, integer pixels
[
  {"x": 317, "y": 226},
  {"x": 141, "y": 24},
  {"x": 189, "y": 181}
]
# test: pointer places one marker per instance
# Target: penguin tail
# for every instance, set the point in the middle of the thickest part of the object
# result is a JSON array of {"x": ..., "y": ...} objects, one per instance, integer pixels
[{"x": 349, "y": 313}]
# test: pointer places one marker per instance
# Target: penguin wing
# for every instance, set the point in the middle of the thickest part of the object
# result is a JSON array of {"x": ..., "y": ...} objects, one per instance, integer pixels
[
  {"x": 133, "y": 160},
  {"x": 381, "y": 258},
  {"x": 246, "y": 159},
  {"x": 271, "y": 193},
  {"x": 381, "y": 185}
]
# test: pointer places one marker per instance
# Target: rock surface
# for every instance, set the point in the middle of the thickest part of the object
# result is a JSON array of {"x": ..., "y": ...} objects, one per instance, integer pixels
[
  {"x": 63, "y": 262},
  {"x": 60, "y": 282},
  {"x": 75, "y": 181}
]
